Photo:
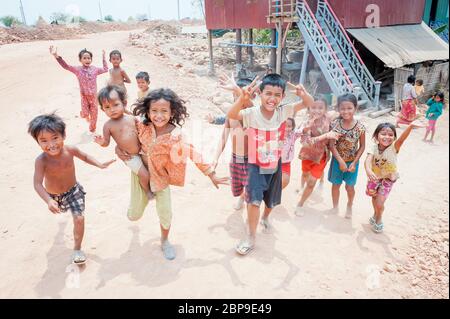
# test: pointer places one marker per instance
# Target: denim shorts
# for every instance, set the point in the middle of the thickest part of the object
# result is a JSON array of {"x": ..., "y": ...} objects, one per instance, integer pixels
[{"x": 264, "y": 187}]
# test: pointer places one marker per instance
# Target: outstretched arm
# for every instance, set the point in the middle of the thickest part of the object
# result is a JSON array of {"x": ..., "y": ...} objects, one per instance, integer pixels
[
  {"x": 105, "y": 139},
  {"x": 54, "y": 51},
  {"x": 88, "y": 158},
  {"x": 399, "y": 142}
]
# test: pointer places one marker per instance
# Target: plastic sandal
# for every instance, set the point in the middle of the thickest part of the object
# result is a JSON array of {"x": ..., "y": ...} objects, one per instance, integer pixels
[
  {"x": 372, "y": 221},
  {"x": 244, "y": 247},
  {"x": 78, "y": 257},
  {"x": 168, "y": 250},
  {"x": 378, "y": 228}
]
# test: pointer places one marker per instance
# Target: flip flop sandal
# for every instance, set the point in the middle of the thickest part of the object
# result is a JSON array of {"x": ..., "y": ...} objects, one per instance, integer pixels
[
  {"x": 372, "y": 221},
  {"x": 378, "y": 228},
  {"x": 78, "y": 257},
  {"x": 244, "y": 247}
]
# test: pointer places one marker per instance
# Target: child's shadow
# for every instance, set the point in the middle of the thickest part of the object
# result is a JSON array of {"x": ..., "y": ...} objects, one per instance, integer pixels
[
  {"x": 145, "y": 263},
  {"x": 59, "y": 268},
  {"x": 379, "y": 239},
  {"x": 235, "y": 227},
  {"x": 314, "y": 218}
]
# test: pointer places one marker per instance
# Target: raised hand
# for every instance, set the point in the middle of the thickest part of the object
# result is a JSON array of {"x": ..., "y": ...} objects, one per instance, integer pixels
[
  {"x": 247, "y": 92},
  {"x": 298, "y": 90},
  {"x": 228, "y": 83},
  {"x": 54, "y": 51},
  {"x": 103, "y": 53}
]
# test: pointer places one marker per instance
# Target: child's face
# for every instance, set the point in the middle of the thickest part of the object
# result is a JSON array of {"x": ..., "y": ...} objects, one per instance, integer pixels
[
  {"x": 386, "y": 137},
  {"x": 318, "y": 109},
  {"x": 437, "y": 98},
  {"x": 115, "y": 60},
  {"x": 113, "y": 107},
  {"x": 86, "y": 59},
  {"x": 51, "y": 143},
  {"x": 418, "y": 83},
  {"x": 160, "y": 113},
  {"x": 289, "y": 127},
  {"x": 271, "y": 97},
  {"x": 347, "y": 110},
  {"x": 142, "y": 85}
]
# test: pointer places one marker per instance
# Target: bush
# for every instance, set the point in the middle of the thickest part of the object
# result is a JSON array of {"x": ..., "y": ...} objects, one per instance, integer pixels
[
  {"x": 109, "y": 18},
  {"x": 262, "y": 36},
  {"x": 59, "y": 17},
  {"x": 10, "y": 21}
]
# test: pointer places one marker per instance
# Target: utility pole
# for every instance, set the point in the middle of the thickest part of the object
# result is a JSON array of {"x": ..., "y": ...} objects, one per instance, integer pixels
[
  {"x": 178, "y": 3},
  {"x": 100, "y": 10},
  {"x": 23, "y": 13}
]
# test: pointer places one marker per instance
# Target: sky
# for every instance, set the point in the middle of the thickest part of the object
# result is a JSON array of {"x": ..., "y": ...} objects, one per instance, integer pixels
[{"x": 89, "y": 9}]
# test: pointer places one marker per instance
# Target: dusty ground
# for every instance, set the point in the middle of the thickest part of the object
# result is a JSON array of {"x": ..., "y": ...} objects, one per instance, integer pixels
[{"x": 318, "y": 256}]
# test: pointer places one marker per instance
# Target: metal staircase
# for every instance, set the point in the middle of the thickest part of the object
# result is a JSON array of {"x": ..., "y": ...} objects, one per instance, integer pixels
[
  {"x": 328, "y": 41},
  {"x": 346, "y": 52}
]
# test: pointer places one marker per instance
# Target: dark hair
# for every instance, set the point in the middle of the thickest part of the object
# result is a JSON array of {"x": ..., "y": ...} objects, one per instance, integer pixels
[
  {"x": 115, "y": 52},
  {"x": 47, "y": 122},
  {"x": 411, "y": 79},
  {"x": 348, "y": 97},
  {"x": 383, "y": 126},
  {"x": 82, "y": 52},
  {"x": 441, "y": 95},
  {"x": 292, "y": 121},
  {"x": 105, "y": 94},
  {"x": 143, "y": 76},
  {"x": 177, "y": 106},
  {"x": 273, "y": 79},
  {"x": 419, "y": 81},
  {"x": 243, "y": 82}
]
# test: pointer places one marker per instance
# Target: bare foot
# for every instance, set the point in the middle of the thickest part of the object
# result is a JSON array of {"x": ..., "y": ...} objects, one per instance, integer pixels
[
  {"x": 299, "y": 211},
  {"x": 349, "y": 212},
  {"x": 239, "y": 204}
]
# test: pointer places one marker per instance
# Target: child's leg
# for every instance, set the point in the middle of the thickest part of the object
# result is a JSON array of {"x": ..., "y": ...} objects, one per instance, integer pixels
[
  {"x": 253, "y": 218},
  {"x": 378, "y": 204},
  {"x": 311, "y": 183},
  {"x": 351, "y": 196},
  {"x": 144, "y": 181},
  {"x": 433, "y": 129},
  {"x": 164, "y": 210},
  {"x": 84, "y": 113},
  {"x": 305, "y": 176},
  {"x": 286, "y": 180},
  {"x": 93, "y": 113},
  {"x": 78, "y": 231},
  {"x": 265, "y": 220},
  {"x": 335, "y": 194}
]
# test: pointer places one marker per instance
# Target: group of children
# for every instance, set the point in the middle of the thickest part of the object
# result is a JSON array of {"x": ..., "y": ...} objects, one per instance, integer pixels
[{"x": 149, "y": 141}]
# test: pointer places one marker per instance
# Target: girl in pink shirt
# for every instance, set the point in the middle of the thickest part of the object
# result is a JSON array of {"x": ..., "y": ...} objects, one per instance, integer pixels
[{"x": 87, "y": 77}]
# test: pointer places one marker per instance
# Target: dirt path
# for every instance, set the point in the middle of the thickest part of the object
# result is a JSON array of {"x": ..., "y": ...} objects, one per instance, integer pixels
[{"x": 319, "y": 255}]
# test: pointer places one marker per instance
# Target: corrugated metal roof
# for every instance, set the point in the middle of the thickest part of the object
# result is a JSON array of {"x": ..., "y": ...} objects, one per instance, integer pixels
[{"x": 401, "y": 45}]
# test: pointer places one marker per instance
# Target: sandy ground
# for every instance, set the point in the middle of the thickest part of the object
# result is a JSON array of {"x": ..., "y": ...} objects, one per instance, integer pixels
[{"x": 318, "y": 256}]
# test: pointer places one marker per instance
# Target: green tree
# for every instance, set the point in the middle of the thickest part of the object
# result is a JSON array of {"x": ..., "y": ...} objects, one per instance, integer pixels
[
  {"x": 10, "y": 21},
  {"x": 109, "y": 18},
  {"x": 59, "y": 17}
]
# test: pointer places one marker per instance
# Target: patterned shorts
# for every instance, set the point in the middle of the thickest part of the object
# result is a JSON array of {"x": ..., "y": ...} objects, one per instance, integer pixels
[
  {"x": 74, "y": 199},
  {"x": 239, "y": 174},
  {"x": 381, "y": 187}
]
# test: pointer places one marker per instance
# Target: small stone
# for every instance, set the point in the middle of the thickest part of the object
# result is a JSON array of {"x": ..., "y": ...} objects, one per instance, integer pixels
[
  {"x": 389, "y": 268},
  {"x": 5, "y": 231}
]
